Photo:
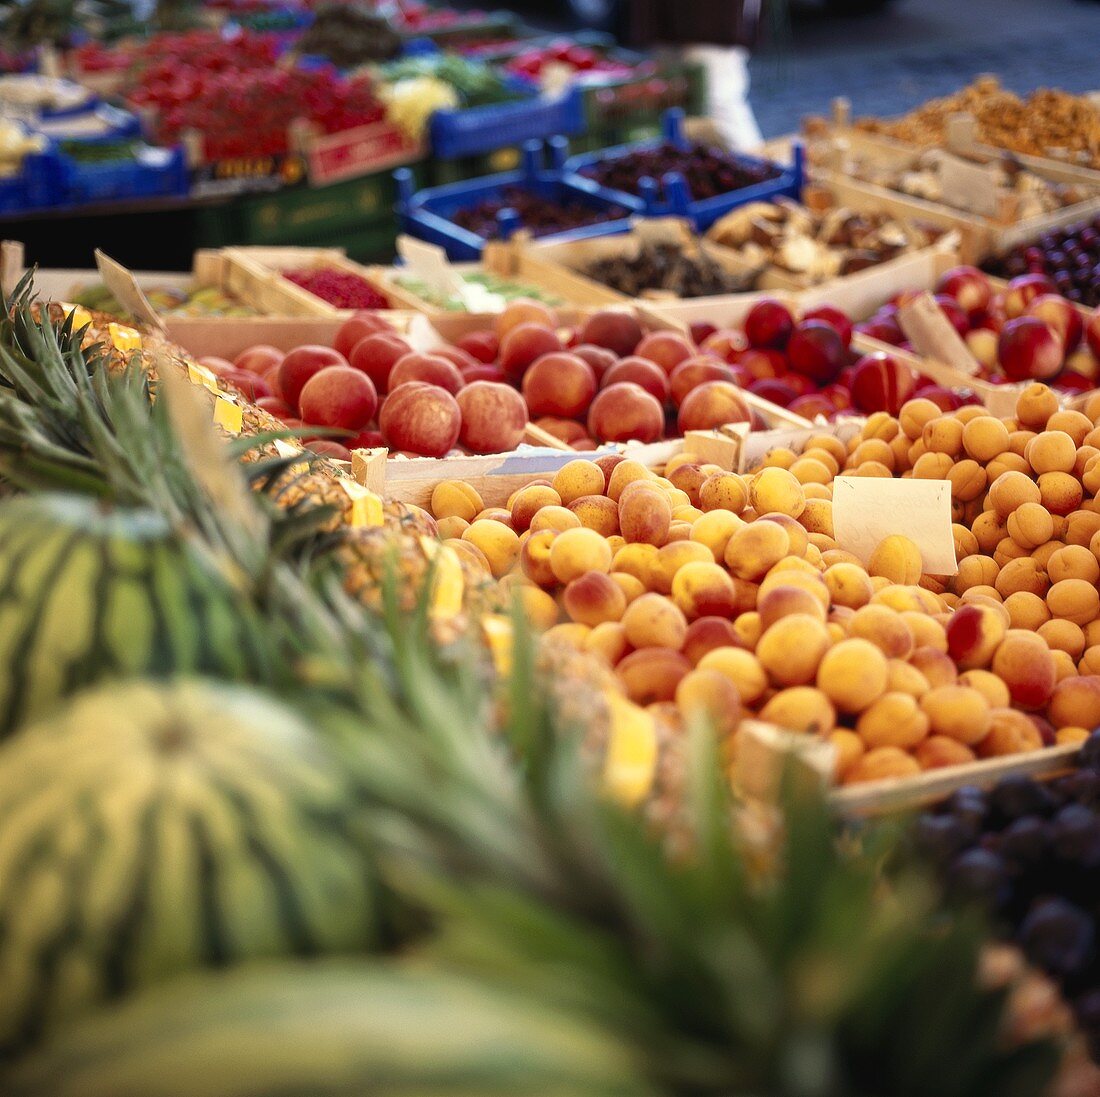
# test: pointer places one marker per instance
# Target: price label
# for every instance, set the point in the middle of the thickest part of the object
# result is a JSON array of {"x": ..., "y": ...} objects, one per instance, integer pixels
[
  {"x": 124, "y": 339},
  {"x": 228, "y": 415},
  {"x": 200, "y": 375},
  {"x": 81, "y": 317},
  {"x": 429, "y": 263},
  {"x": 630, "y": 763},
  {"x": 366, "y": 507},
  {"x": 124, "y": 288},
  {"x": 867, "y": 510}
]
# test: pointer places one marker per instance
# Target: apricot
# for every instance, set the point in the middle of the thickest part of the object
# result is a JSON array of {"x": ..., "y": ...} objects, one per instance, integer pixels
[
  {"x": 896, "y": 558},
  {"x": 1010, "y": 732},
  {"x": 1064, "y": 665},
  {"x": 630, "y": 585},
  {"x": 1070, "y": 736},
  {"x": 723, "y": 491},
  {"x": 932, "y": 466},
  {"x": 1030, "y": 525},
  {"x": 1073, "y": 423},
  {"x": 596, "y": 512},
  {"x": 499, "y": 544},
  {"x": 776, "y": 490},
  {"x": 927, "y": 632},
  {"x": 664, "y": 566},
  {"x": 915, "y": 415},
  {"x": 1051, "y": 451},
  {"x": 710, "y": 696},
  {"x": 608, "y": 641},
  {"x": 1026, "y": 610},
  {"x": 1076, "y": 702},
  {"x": 958, "y": 712},
  {"x": 748, "y": 628},
  {"x": 1021, "y": 575},
  {"x": 706, "y": 634},
  {"x": 903, "y": 677},
  {"x": 451, "y": 528},
  {"x": 645, "y": 516},
  {"x": 848, "y": 585},
  {"x": 984, "y": 438},
  {"x": 528, "y": 501},
  {"x": 1035, "y": 405},
  {"x": 593, "y": 598},
  {"x": 893, "y": 720},
  {"x": 578, "y": 479},
  {"x": 885, "y": 629},
  {"x": 1023, "y": 662},
  {"x": 1011, "y": 490},
  {"x": 653, "y": 621},
  {"x": 988, "y": 685},
  {"x": 940, "y": 751},
  {"x": 791, "y": 649},
  {"x": 557, "y": 519},
  {"x": 1074, "y": 600},
  {"x": 575, "y": 551},
  {"x": 754, "y": 549},
  {"x": 800, "y": 708},
  {"x": 853, "y": 674},
  {"x": 882, "y": 764},
  {"x": 848, "y": 749},
  {"x": 1090, "y": 661},
  {"x": 935, "y": 665},
  {"x": 626, "y": 472},
  {"x": 637, "y": 560},
  {"x": 780, "y": 601},
  {"x": 538, "y": 607},
  {"x": 702, "y": 589},
  {"x": 570, "y": 633},
  {"x": 652, "y": 674},
  {"x": 974, "y": 633},
  {"x": 741, "y": 667},
  {"x": 689, "y": 478},
  {"x": 455, "y": 499}
]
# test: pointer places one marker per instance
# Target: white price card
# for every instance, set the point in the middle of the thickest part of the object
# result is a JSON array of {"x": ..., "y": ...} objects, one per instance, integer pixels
[
  {"x": 125, "y": 290},
  {"x": 867, "y": 510}
]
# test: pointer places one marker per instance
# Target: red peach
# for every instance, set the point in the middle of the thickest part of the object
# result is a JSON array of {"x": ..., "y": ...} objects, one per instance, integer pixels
[
  {"x": 1060, "y": 316},
  {"x": 338, "y": 396},
  {"x": 429, "y": 368},
  {"x": 642, "y": 371},
  {"x": 769, "y": 324},
  {"x": 220, "y": 366},
  {"x": 260, "y": 359},
  {"x": 760, "y": 364},
  {"x": 523, "y": 310},
  {"x": 956, "y": 315},
  {"x": 523, "y": 344},
  {"x": 712, "y": 405},
  {"x": 559, "y": 384},
  {"x": 775, "y": 390},
  {"x": 625, "y": 412},
  {"x": 275, "y": 405},
  {"x": 968, "y": 286},
  {"x": 883, "y": 327},
  {"x": 816, "y": 350},
  {"x": 881, "y": 383},
  {"x": 1028, "y": 350},
  {"x": 300, "y": 365},
  {"x": 366, "y": 439},
  {"x": 493, "y": 417},
  {"x": 1021, "y": 291},
  {"x": 836, "y": 319},
  {"x": 1092, "y": 333},
  {"x": 358, "y": 326},
  {"x": 251, "y": 384},
  {"x": 482, "y": 345},
  {"x": 726, "y": 343},
  {"x": 599, "y": 358},
  {"x": 420, "y": 418},
  {"x": 665, "y": 348},
  {"x": 568, "y": 430},
  {"x": 813, "y": 405},
  {"x": 945, "y": 399},
  {"x": 326, "y": 447},
  {"x": 375, "y": 356},
  {"x": 694, "y": 372},
  {"x": 483, "y": 371},
  {"x": 617, "y": 331},
  {"x": 700, "y": 330},
  {"x": 456, "y": 355}
]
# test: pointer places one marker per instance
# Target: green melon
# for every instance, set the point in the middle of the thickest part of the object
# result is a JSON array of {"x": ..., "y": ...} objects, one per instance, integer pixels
[
  {"x": 332, "y": 1029},
  {"x": 149, "y": 829},
  {"x": 89, "y": 592}
]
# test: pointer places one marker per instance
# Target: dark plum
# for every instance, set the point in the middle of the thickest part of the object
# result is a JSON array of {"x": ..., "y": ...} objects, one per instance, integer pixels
[
  {"x": 1089, "y": 756},
  {"x": 940, "y": 836},
  {"x": 1026, "y": 840},
  {"x": 1020, "y": 795},
  {"x": 1075, "y": 835},
  {"x": 978, "y": 875},
  {"x": 1058, "y": 936}
]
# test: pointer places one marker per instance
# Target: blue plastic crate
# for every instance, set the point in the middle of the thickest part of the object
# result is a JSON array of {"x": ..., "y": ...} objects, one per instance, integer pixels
[
  {"x": 471, "y": 131},
  {"x": 428, "y": 214},
  {"x": 155, "y": 173},
  {"x": 676, "y": 200}
]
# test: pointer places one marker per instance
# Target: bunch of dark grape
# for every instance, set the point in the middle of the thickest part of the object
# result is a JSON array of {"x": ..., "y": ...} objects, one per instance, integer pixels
[{"x": 1029, "y": 852}]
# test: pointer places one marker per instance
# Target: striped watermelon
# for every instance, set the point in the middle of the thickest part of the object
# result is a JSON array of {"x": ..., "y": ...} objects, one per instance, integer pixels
[
  {"x": 341, "y": 1028},
  {"x": 148, "y": 829},
  {"x": 88, "y": 592}
]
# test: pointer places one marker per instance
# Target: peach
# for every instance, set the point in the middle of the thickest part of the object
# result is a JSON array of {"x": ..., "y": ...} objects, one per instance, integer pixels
[
  {"x": 642, "y": 372},
  {"x": 741, "y": 667},
  {"x": 800, "y": 708},
  {"x": 523, "y": 345},
  {"x": 523, "y": 310},
  {"x": 481, "y": 345},
  {"x": 376, "y": 355},
  {"x": 1010, "y": 732},
  {"x": 559, "y": 384},
  {"x": 432, "y": 369},
  {"x": 653, "y": 621},
  {"x": 1024, "y": 663},
  {"x": 617, "y": 331},
  {"x": 693, "y": 372},
  {"x": 575, "y": 551},
  {"x": 940, "y": 751},
  {"x": 853, "y": 674},
  {"x": 421, "y": 419},
  {"x": 791, "y": 649},
  {"x": 974, "y": 632},
  {"x": 710, "y": 405},
  {"x": 338, "y": 396},
  {"x": 1075, "y": 702},
  {"x": 893, "y": 720},
  {"x": 666, "y": 349},
  {"x": 879, "y": 382},
  {"x": 645, "y": 515},
  {"x": 625, "y": 412},
  {"x": 883, "y": 764},
  {"x": 494, "y": 417},
  {"x": 755, "y": 548},
  {"x": 593, "y": 598},
  {"x": 705, "y": 634},
  {"x": 299, "y": 365},
  {"x": 885, "y": 629},
  {"x": 769, "y": 323}
]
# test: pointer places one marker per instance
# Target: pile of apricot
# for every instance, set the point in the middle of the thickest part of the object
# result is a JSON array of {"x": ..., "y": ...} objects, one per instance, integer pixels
[{"x": 727, "y": 595}]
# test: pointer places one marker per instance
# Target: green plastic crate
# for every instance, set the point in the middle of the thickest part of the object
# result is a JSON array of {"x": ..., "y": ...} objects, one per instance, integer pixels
[
  {"x": 474, "y": 167},
  {"x": 633, "y": 102},
  {"x": 322, "y": 216}
]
